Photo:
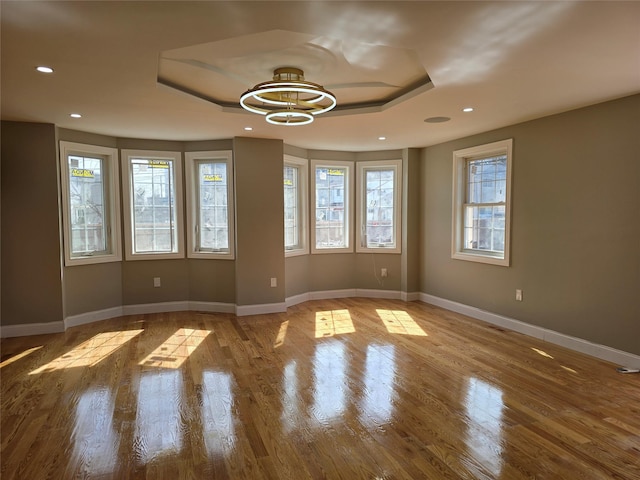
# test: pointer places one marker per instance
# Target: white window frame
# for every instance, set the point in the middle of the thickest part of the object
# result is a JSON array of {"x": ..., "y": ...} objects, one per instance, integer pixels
[
  {"x": 460, "y": 158},
  {"x": 348, "y": 212},
  {"x": 361, "y": 206},
  {"x": 113, "y": 253},
  {"x": 191, "y": 162},
  {"x": 175, "y": 157},
  {"x": 303, "y": 206}
]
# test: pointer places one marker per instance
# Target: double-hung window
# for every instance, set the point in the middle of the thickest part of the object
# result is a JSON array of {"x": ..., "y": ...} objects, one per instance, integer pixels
[
  {"x": 210, "y": 220},
  {"x": 91, "y": 208},
  {"x": 378, "y": 206},
  {"x": 332, "y": 186},
  {"x": 482, "y": 203},
  {"x": 152, "y": 197},
  {"x": 295, "y": 206}
]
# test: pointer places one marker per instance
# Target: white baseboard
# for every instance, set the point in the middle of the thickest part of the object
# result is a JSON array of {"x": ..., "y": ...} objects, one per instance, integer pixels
[
  {"x": 602, "y": 352},
  {"x": 90, "y": 317},
  {"x": 212, "y": 307},
  {"x": 246, "y": 310},
  {"x": 27, "y": 329}
]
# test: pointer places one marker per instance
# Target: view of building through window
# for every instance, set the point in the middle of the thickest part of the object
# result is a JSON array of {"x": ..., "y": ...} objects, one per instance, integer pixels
[
  {"x": 154, "y": 213},
  {"x": 213, "y": 220},
  {"x": 87, "y": 205},
  {"x": 291, "y": 207},
  {"x": 331, "y": 184},
  {"x": 485, "y": 204},
  {"x": 379, "y": 201}
]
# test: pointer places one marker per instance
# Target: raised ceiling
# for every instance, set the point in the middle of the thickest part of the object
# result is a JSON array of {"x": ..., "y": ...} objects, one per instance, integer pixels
[{"x": 175, "y": 70}]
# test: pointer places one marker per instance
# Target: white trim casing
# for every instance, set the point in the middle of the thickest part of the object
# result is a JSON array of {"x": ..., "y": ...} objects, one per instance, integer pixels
[
  {"x": 112, "y": 194},
  {"x": 361, "y": 207},
  {"x": 127, "y": 195},
  {"x": 348, "y": 200},
  {"x": 458, "y": 252},
  {"x": 192, "y": 203},
  {"x": 303, "y": 205}
]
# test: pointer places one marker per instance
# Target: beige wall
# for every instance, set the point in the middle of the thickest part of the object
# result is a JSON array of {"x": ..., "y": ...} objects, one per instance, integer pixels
[
  {"x": 575, "y": 226},
  {"x": 258, "y": 167},
  {"x": 31, "y": 275}
]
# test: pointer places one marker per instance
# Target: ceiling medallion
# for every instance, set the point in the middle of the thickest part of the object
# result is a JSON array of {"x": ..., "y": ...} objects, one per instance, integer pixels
[{"x": 288, "y": 99}]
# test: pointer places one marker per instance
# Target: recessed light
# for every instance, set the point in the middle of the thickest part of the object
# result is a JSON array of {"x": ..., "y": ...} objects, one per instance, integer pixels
[
  {"x": 437, "y": 119},
  {"x": 44, "y": 69},
  {"x": 75, "y": 115},
  {"x": 248, "y": 129},
  {"x": 382, "y": 138},
  {"x": 467, "y": 109}
]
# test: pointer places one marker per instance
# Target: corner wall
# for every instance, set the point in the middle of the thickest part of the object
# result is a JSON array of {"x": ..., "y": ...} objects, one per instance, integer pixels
[{"x": 575, "y": 226}]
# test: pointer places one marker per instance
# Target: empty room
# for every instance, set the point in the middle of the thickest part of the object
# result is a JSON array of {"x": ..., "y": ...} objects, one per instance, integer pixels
[{"x": 320, "y": 240}]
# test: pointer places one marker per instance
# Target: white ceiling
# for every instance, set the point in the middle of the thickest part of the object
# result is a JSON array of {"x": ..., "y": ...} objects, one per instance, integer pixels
[{"x": 510, "y": 61}]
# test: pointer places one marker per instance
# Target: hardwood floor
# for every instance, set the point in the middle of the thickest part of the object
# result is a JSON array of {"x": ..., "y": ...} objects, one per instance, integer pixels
[{"x": 336, "y": 389}]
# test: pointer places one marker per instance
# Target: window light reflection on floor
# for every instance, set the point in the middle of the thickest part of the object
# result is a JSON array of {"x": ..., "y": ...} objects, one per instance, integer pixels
[
  {"x": 91, "y": 352},
  {"x": 176, "y": 349},
  {"x": 400, "y": 322},
  {"x": 333, "y": 322},
  {"x": 282, "y": 333}
]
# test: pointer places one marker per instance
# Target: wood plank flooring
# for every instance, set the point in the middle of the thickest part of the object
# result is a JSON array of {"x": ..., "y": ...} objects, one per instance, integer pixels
[{"x": 334, "y": 389}]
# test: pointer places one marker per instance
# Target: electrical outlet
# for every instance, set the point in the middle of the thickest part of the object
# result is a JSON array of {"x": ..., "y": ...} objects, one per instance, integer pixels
[
  {"x": 156, "y": 281},
  {"x": 274, "y": 282},
  {"x": 518, "y": 295},
  {"x": 383, "y": 272}
]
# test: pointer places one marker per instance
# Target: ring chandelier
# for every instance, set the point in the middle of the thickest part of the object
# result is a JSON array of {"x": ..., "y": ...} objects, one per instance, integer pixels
[{"x": 288, "y": 99}]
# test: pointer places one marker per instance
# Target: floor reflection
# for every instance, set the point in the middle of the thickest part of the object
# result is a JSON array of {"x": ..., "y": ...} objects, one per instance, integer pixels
[
  {"x": 218, "y": 426},
  {"x": 378, "y": 392},
  {"x": 329, "y": 393},
  {"x": 484, "y": 407},
  {"x": 95, "y": 443},
  {"x": 158, "y": 418},
  {"x": 290, "y": 397}
]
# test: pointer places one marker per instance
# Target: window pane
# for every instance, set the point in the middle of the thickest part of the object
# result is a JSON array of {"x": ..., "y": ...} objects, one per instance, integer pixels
[
  {"x": 291, "y": 207},
  {"x": 154, "y": 214},
  {"x": 379, "y": 214},
  {"x": 486, "y": 180},
  {"x": 484, "y": 228},
  {"x": 87, "y": 205},
  {"x": 213, "y": 214},
  {"x": 330, "y": 207}
]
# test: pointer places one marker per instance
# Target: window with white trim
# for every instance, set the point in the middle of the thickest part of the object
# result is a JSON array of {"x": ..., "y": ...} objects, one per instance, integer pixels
[
  {"x": 210, "y": 220},
  {"x": 91, "y": 207},
  {"x": 152, "y": 198},
  {"x": 332, "y": 186},
  {"x": 482, "y": 203},
  {"x": 378, "y": 206},
  {"x": 295, "y": 180}
]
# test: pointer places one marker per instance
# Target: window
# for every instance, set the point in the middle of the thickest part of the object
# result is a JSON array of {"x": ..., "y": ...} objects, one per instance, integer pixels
[
  {"x": 210, "y": 232},
  {"x": 331, "y": 204},
  {"x": 152, "y": 184},
  {"x": 295, "y": 206},
  {"x": 378, "y": 208},
  {"x": 91, "y": 208},
  {"x": 482, "y": 203}
]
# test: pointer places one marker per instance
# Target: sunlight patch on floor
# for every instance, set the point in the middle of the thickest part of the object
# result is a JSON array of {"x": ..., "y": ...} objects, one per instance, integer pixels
[
  {"x": 400, "y": 322},
  {"x": 176, "y": 349},
  {"x": 91, "y": 352},
  {"x": 17, "y": 357},
  {"x": 333, "y": 322}
]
